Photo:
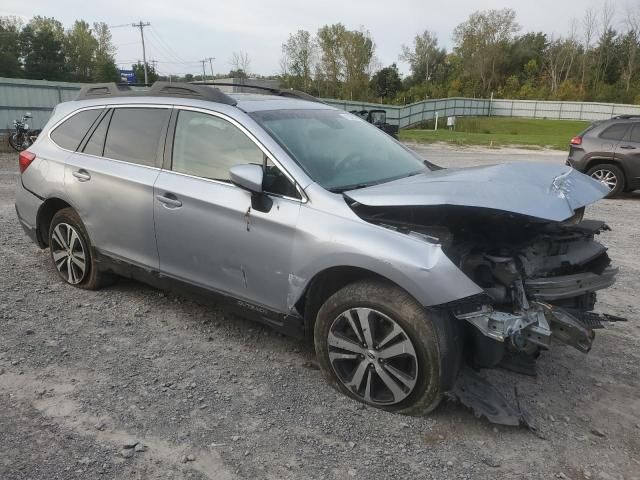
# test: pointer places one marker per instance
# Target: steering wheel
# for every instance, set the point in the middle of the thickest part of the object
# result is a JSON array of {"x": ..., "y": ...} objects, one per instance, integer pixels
[{"x": 344, "y": 162}]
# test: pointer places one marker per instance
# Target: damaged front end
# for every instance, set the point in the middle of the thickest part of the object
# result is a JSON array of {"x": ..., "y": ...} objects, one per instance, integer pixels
[
  {"x": 539, "y": 277},
  {"x": 517, "y": 231},
  {"x": 539, "y": 289}
]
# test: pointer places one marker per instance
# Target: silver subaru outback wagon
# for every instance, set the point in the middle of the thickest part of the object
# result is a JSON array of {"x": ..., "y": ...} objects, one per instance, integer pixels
[{"x": 313, "y": 221}]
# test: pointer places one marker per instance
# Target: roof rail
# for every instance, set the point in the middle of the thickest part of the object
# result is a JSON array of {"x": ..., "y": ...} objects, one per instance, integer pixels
[
  {"x": 274, "y": 91},
  {"x": 157, "y": 89},
  {"x": 625, "y": 117}
]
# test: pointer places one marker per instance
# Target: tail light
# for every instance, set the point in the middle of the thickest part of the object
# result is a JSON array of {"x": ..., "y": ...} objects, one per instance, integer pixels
[
  {"x": 577, "y": 140},
  {"x": 25, "y": 159}
]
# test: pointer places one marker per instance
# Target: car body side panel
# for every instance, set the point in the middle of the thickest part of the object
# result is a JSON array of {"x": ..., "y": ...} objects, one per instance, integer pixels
[
  {"x": 216, "y": 240},
  {"x": 116, "y": 206},
  {"x": 331, "y": 235},
  {"x": 628, "y": 153},
  {"x": 27, "y": 206}
]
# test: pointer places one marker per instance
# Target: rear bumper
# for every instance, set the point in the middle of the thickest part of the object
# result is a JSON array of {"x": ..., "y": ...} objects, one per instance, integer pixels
[{"x": 27, "y": 205}]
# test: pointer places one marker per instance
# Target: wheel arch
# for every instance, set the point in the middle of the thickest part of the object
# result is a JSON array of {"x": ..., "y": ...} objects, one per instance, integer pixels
[
  {"x": 327, "y": 282},
  {"x": 606, "y": 161},
  {"x": 45, "y": 214}
]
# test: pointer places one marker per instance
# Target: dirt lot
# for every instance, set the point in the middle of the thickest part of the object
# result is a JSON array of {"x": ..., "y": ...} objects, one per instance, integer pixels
[{"x": 209, "y": 395}]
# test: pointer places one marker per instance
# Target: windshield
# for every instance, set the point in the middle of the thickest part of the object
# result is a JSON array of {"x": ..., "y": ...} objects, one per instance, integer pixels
[{"x": 339, "y": 150}]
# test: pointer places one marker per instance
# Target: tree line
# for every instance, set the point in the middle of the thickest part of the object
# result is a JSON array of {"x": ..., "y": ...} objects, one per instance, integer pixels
[
  {"x": 597, "y": 60},
  {"x": 43, "y": 49},
  {"x": 490, "y": 56}
]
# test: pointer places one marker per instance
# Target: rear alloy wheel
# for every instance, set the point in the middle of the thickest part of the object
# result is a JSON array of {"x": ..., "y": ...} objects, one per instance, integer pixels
[
  {"x": 71, "y": 252},
  {"x": 68, "y": 253},
  {"x": 376, "y": 344},
  {"x": 610, "y": 176}
]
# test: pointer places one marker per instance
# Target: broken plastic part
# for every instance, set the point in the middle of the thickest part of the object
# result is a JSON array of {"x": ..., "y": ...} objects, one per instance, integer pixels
[{"x": 477, "y": 393}]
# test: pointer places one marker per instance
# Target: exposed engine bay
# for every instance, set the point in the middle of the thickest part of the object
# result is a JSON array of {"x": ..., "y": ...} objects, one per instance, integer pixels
[{"x": 539, "y": 277}]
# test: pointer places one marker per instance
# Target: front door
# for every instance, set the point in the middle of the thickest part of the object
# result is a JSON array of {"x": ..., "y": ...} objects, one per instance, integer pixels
[{"x": 207, "y": 233}]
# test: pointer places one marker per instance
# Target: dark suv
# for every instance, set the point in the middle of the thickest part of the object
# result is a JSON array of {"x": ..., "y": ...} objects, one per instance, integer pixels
[{"x": 609, "y": 151}]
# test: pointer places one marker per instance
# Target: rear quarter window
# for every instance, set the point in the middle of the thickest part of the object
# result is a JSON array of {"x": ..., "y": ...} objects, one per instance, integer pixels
[{"x": 70, "y": 133}]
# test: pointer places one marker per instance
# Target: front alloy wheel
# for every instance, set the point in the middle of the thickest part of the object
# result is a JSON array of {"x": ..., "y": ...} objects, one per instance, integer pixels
[
  {"x": 68, "y": 253},
  {"x": 375, "y": 343},
  {"x": 372, "y": 356}
]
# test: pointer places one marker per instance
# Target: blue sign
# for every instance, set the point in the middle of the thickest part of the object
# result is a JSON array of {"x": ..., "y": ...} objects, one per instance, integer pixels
[{"x": 127, "y": 76}]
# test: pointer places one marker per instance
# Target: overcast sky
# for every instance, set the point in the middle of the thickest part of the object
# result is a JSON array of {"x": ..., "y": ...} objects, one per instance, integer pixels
[{"x": 182, "y": 33}]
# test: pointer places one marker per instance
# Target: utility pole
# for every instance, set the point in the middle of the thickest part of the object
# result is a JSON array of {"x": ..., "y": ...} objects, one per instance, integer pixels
[
  {"x": 211, "y": 59},
  {"x": 141, "y": 26},
  {"x": 204, "y": 75}
]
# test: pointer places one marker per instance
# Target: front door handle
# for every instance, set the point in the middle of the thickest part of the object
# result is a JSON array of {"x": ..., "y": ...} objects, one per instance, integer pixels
[
  {"x": 169, "y": 200},
  {"x": 82, "y": 175},
  {"x": 627, "y": 147}
]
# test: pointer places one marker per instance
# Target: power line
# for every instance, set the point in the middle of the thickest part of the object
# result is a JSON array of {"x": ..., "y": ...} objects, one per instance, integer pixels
[
  {"x": 165, "y": 45},
  {"x": 141, "y": 26}
]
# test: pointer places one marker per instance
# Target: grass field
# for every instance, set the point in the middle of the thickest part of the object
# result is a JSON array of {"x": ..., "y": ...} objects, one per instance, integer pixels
[{"x": 496, "y": 131}]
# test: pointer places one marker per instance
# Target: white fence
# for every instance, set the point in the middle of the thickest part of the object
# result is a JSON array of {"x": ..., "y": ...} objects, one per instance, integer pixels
[
  {"x": 416, "y": 113},
  {"x": 18, "y": 96}
]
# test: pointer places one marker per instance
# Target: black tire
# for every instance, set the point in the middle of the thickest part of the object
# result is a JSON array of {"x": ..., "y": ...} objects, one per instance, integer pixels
[
  {"x": 610, "y": 171},
  {"x": 15, "y": 144},
  {"x": 435, "y": 337},
  {"x": 92, "y": 278}
]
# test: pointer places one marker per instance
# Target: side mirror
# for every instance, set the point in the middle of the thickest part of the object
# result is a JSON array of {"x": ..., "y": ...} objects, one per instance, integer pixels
[{"x": 248, "y": 176}]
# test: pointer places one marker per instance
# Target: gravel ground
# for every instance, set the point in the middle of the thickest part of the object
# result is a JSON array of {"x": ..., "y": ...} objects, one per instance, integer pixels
[{"x": 207, "y": 395}]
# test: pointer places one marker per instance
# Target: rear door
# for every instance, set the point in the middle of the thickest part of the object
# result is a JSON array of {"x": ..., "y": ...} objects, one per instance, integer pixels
[
  {"x": 109, "y": 181},
  {"x": 610, "y": 137},
  {"x": 628, "y": 152},
  {"x": 207, "y": 231}
]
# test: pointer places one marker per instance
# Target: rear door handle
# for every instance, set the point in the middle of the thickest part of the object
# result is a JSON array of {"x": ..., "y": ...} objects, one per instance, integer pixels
[
  {"x": 627, "y": 147},
  {"x": 169, "y": 200},
  {"x": 82, "y": 175}
]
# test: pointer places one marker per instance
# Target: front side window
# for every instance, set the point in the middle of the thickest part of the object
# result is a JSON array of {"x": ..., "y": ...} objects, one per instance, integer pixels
[
  {"x": 208, "y": 146},
  {"x": 615, "y": 132},
  {"x": 70, "y": 133},
  {"x": 337, "y": 149},
  {"x": 134, "y": 135},
  {"x": 276, "y": 182}
]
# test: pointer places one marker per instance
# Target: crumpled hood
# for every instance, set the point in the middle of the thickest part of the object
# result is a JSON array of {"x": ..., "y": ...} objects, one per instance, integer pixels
[{"x": 550, "y": 192}]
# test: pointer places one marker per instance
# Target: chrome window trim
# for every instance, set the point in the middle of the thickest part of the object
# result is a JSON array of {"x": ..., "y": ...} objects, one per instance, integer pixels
[
  {"x": 229, "y": 184},
  {"x": 117, "y": 160},
  {"x": 65, "y": 118},
  {"x": 303, "y": 197},
  {"x": 97, "y": 107}
]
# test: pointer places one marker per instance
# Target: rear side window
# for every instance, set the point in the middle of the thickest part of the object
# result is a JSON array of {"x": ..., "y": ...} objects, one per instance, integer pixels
[
  {"x": 95, "y": 144},
  {"x": 635, "y": 133},
  {"x": 134, "y": 134},
  {"x": 70, "y": 133},
  {"x": 615, "y": 132}
]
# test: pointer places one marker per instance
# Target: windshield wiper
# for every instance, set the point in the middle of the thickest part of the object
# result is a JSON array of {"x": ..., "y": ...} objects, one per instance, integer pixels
[{"x": 355, "y": 186}]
